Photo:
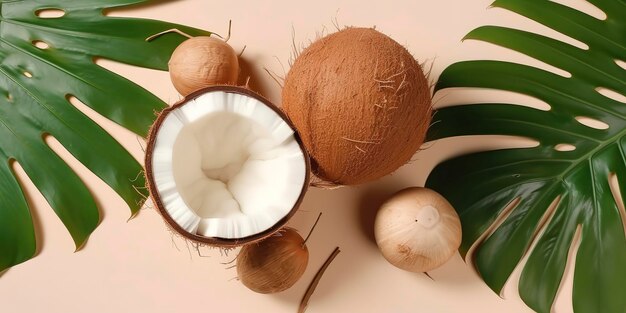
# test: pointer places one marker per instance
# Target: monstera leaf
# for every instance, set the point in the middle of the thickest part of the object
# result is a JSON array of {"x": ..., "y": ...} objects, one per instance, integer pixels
[
  {"x": 45, "y": 61},
  {"x": 504, "y": 196}
]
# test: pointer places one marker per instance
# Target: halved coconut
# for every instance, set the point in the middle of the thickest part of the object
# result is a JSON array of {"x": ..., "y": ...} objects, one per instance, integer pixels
[{"x": 225, "y": 167}]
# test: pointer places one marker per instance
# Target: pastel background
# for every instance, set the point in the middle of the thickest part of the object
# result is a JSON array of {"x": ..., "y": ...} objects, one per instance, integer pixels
[{"x": 139, "y": 266}]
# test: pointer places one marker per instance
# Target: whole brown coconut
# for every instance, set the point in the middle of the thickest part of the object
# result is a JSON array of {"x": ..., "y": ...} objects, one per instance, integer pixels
[
  {"x": 203, "y": 61},
  {"x": 274, "y": 264},
  {"x": 361, "y": 104}
]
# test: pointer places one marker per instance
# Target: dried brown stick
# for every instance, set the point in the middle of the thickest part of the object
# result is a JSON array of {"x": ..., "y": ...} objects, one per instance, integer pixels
[
  {"x": 173, "y": 30},
  {"x": 309, "y": 292},
  {"x": 311, "y": 231}
]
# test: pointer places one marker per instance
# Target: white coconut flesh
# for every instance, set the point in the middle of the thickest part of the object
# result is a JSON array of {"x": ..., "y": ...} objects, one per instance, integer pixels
[{"x": 226, "y": 165}]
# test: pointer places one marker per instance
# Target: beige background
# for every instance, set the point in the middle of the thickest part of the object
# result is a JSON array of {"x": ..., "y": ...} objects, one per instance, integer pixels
[{"x": 138, "y": 266}]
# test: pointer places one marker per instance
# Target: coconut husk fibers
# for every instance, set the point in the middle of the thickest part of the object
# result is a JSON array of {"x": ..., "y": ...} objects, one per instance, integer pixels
[{"x": 361, "y": 104}]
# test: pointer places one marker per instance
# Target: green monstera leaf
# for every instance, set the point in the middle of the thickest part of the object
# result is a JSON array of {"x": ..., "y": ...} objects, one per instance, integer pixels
[
  {"x": 508, "y": 193},
  {"x": 45, "y": 61}
]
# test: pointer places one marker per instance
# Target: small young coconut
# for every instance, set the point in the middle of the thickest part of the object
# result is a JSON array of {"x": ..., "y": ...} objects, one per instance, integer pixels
[
  {"x": 417, "y": 230},
  {"x": 361, "y": 103},
  {"x": 276, "y": 263},
  {"x": 203, "y": 61},
  {"x": 200, "y": 62}
]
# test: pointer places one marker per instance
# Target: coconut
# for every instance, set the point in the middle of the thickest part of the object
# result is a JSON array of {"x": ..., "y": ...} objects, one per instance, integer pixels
[
  {"x": 361, "y": 104},
  {"x": 203, "y": 61},
  {"x": 417, "y": 230},
  {"x": 274, "y": 264},
  {"x": 225, "y": 167}
]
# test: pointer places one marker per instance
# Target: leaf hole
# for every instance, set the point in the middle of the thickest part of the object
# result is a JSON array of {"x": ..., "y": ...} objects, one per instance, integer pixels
[
  {"x": 463, "y": 95},
  {"x": 620, "y": 63},
  {"x": 541, "y": 29},
  {"x": 593, "y": 123},
  {"x": 617, "y": 195},
  {"x": 28, "y": 74},
  {"x": 129, "y": 140},
  {"x": 502, "y": 216},
  {"x": 584, "y": 7},
  {"x": 50, "y": 13},
  {"x": 545, "y": 220},
  {"x": 10, "y": 98},
  {"x": 33, "y": 196},
  {"x": 81, "y": 170},
  {"x": 564, "y": 147},
  {"x": 565, "y": 289},
  {"x": 611, "y": 94},
  {"x": 41, "y": 44},
  {"x": 478, "y": 50},
  {"x": 511, "y": 286},
  {"x": 143, "y": 77}
]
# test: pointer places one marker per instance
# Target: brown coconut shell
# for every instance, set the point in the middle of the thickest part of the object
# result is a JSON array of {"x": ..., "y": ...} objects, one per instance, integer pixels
[
  {"x": 274, "y": 264},
  {"x": 203, "y": 61},
  {"x": 361, "y": 104},
  {"x": 156, "y": 197}
]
